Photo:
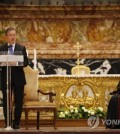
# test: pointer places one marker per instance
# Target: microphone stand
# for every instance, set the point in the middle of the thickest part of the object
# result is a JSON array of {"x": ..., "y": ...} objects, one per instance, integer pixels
[{"x": 8, "y": 92}]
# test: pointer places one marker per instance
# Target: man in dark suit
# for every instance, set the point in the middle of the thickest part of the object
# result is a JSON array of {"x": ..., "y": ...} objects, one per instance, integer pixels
[
  {"x": 113, "y": 111},
  {"x": 17, "y": 77}
]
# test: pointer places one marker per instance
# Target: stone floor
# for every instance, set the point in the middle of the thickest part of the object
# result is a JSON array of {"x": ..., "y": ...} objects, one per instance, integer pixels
[{"x": 62, "y": 130}]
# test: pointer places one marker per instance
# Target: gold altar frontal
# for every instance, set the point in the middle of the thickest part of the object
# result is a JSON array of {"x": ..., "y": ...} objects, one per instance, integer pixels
[{"x": 89, "y": 90}]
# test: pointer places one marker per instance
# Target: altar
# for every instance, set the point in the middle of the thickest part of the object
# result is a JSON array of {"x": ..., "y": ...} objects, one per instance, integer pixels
[{"x": 90, "y": 91}]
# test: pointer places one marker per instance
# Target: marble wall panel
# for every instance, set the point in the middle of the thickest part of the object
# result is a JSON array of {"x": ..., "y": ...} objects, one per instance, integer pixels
[
  {"x": 94, "y": 35},
  {"x": 54, "y": 31},
  {"x": 64, "y": 66},
  {"x": 61, "y": 2},
  {"x": 90, "y": 33}
]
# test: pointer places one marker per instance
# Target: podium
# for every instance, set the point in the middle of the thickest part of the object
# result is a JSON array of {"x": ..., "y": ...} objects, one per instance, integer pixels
[{"x": 9, "y": 61}]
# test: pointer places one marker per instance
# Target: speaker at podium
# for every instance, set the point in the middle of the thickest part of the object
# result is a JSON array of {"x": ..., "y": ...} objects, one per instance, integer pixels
[{"x": 7, "y": 60}]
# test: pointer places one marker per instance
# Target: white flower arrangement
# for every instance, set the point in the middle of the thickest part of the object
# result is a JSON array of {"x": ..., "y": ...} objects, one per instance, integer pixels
[
  {"x": 80, "y": 112},
  {"x": 100, "y": 108}
]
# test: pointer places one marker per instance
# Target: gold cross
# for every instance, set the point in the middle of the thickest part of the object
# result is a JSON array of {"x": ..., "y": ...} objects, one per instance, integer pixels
[{"x": 78, "y": 46}]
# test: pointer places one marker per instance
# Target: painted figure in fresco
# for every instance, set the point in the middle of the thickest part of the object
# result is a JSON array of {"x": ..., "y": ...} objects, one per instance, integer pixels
[
  {"x": 94, "y": 31},
  {"x": 18, "y": 80}
]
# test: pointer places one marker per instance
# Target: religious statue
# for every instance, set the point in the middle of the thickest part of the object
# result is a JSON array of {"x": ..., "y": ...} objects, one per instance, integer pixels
[
  {"x": 87, "y": 100},
  {"x": 76, "y": 99}
]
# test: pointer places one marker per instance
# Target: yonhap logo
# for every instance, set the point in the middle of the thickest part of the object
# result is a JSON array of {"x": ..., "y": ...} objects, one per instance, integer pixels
[
  {"x": 93, "y": 121},
  {"x": 112, "y": 122}
]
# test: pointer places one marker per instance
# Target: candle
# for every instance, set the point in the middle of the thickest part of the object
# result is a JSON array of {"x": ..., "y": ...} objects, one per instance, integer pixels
[
  {"x": 27, "y": 52},
  {"x": 35, "y": 60}
]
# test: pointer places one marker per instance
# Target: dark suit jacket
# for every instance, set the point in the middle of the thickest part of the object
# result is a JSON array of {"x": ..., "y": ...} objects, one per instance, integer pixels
[
  {"x": 112, "y": 113},
  {"x": 17, "y": 73}
]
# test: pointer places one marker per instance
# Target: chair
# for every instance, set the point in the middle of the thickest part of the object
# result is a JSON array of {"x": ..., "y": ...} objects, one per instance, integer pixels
[{"x": 32, "y": 101}]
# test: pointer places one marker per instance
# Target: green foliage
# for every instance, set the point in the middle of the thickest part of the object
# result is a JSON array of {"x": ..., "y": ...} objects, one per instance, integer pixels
[
  {"x": 79, "y": 112},
  {"x": 2, "y": 32}
]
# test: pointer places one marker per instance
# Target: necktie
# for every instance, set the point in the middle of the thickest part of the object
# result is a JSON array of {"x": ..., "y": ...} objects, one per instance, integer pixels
[{"x": 11, "y": 50}]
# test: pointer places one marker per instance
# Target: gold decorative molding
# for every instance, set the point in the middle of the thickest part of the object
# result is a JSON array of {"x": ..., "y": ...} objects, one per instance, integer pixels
[
  {"x": 93, "y": 91},
  {"x": 59, "y": 12},
  {"x": 66, "y": 54}
]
